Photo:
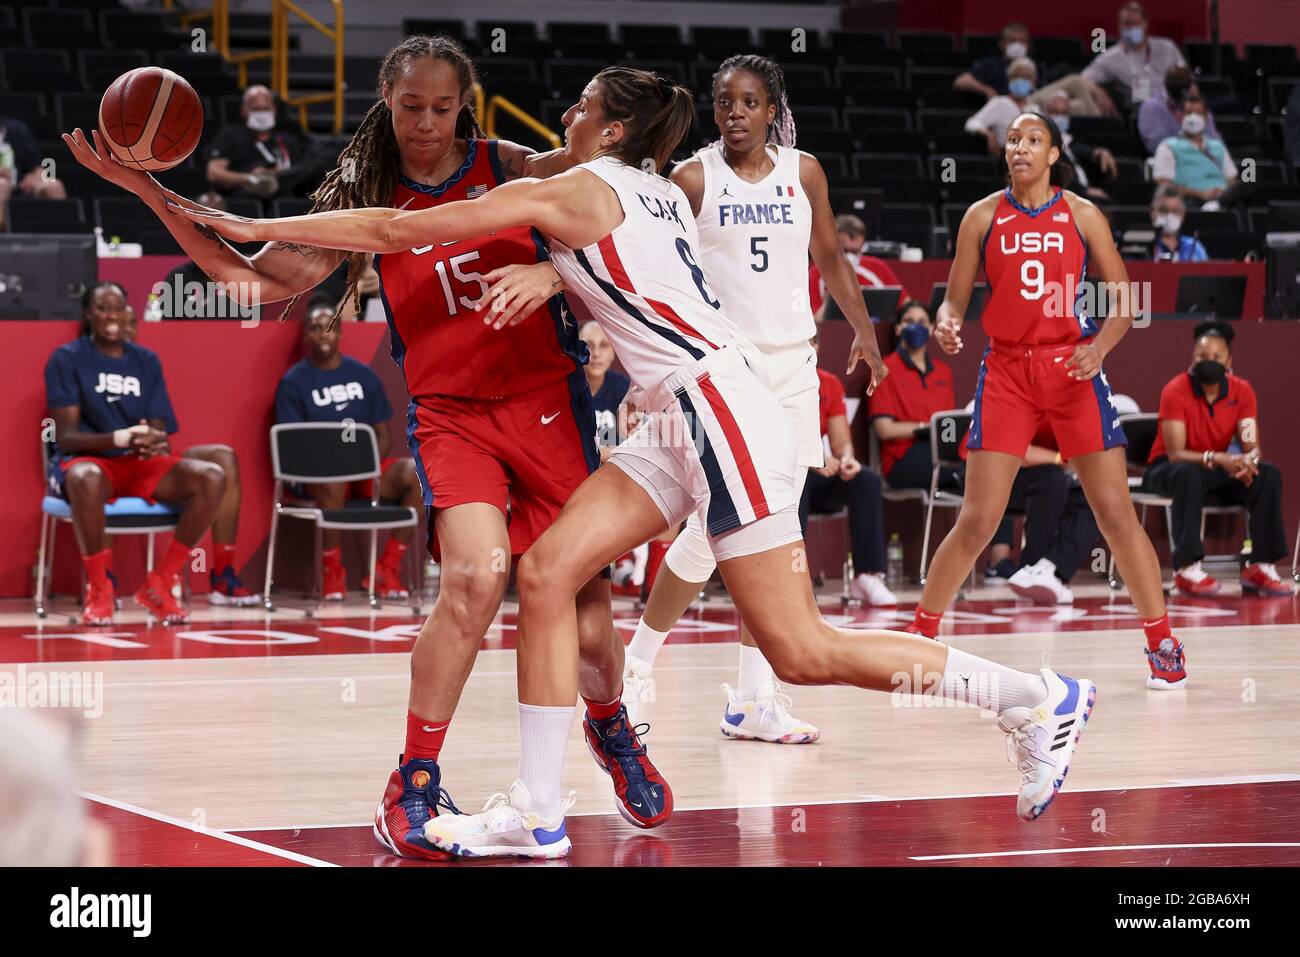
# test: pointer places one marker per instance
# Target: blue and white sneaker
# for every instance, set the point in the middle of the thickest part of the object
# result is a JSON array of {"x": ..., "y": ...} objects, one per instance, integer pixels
[
  {"x": 507, "y": 826},
  {"x": 764, "y": 717},
  {"x": 1044, "y": 739}
]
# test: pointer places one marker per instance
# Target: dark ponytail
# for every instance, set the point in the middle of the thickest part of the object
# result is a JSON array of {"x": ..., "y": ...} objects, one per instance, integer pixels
[
  {"x": 656, "y": 113},
  {"x": 1062, "y": 171}
]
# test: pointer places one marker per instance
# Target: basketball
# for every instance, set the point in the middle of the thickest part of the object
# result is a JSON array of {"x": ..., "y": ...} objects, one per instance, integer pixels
[{"x": 151, "y": 118}]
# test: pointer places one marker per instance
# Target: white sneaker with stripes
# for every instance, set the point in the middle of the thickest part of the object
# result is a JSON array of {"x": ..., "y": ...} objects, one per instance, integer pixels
[
  {"x": 1041, "y": 740},
  {"x": 765, "y": 717}
]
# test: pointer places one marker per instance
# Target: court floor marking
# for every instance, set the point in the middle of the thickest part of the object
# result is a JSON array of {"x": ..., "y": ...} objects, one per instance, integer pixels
[
  {"x": 880, "y": 799},
  {"x": 1095, "y": 850},
  {"x": 207, "y": 831}
]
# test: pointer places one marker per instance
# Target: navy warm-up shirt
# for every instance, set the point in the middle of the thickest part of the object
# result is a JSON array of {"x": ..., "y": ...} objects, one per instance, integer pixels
[
  {"x": 606, "y": 402},
  {"x": 112, "y": 393},
  {"x": 351, "y": 391}
]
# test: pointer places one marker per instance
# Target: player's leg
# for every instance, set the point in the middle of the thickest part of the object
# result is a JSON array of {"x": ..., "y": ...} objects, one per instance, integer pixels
[
  {"x": 226, "y": 587},
  {"x": 197, "y": 487},
  {"x": 608, "y": 514},
  {"x": 1104, "y": 477},
  {"x": 686, "y": 569},
  {"x": 989, "y": 476},
  {"x": 1039, "y": 711},
  {"x": 325, "y": 495},
  {"x": 88, "y": 488}
]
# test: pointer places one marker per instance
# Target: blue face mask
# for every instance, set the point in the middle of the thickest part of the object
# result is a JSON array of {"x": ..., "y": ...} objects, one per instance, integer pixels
[
  {"x": 915, "y": 335},
  {"x": 1062, "y": 122},
  {"x": 1020, "y": 87},
  {"x": 1134, "y": 35}
]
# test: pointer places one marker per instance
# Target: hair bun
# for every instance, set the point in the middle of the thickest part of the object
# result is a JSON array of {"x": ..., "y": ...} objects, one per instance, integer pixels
[{"x": 666, "y": 86}]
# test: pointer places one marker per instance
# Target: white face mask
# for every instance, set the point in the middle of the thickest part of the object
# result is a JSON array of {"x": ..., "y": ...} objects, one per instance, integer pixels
[
  {"x": 1169, "y": 222},
  {"x": 261, "y": 120},
  {"x": 1194, "y": 124},
  {"x": 1016, "y": 50}
]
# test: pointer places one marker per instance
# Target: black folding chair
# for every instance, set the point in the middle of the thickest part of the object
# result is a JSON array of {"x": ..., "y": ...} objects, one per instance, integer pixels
[{"x": 309, "y": 452}]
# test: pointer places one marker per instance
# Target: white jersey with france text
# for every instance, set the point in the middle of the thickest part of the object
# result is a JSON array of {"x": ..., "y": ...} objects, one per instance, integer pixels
[
  {"x": 643, "y": 282},
  {"x": 754, "y": 238}
]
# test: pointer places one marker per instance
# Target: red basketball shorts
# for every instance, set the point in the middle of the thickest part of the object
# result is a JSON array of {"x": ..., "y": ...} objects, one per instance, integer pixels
[
  {"x": 130, "y": 475},
  {"x": 1020, "y": 389},
  {"x": 529, "y": 452}
]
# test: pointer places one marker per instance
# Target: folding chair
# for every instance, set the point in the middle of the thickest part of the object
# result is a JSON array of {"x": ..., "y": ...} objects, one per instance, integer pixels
[
  {"x": 314, "y": 452},
  {"x": 125, "y": 516},
  {"x": 947, "y": 429}
]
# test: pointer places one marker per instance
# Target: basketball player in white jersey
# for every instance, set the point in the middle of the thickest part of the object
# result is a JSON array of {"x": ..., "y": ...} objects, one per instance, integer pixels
[{"x": 715, "y": 440}]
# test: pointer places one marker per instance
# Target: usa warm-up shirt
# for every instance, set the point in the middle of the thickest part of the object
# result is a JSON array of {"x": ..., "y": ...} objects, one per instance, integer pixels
[
  {"x": 606, "y": 401},
  {"x": 1035, "y": 261},
  {"x": 429, "y": 294},
  {"x": 350, "y": 391},
  {"x": 111, "y": 392}
]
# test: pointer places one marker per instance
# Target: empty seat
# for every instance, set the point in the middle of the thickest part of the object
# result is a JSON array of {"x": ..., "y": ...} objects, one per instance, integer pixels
[
  {"x": 99, "y": 68},
  {"x": 568, "y": 78},
  {"x": 866, "y": 80},
  {"x": 22, "y": 105},
  {"x": 925, "y": 41},
  {"x": 930, "y": 78},
  {"x": 854, "y": 44},
  {"x": 869, "y": 168},
  {"x": 869, "y": 117},
  {"x": 650, "y": 39},
  {"x": 46, "y": 215},
  {"x": 718, "y": 43},
  {"x": 74, "y": 110},
  {"x": 64, "y": 27},
  {"x": 1050, "y": 50},
  {"x": 586, "y": 32},
  {"x": 436, "y": 27},
  {"x": 820, "y": 118},
  {"x": 145, "y": 31},
  {"x": 934, "y": 121},
  {"x": 1223, "y": 220},
  {"x": 1234, "y": 245},
  {"x": 962, "y": 165}
]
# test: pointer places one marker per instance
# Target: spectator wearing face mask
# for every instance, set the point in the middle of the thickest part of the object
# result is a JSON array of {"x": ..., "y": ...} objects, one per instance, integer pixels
[
  {"x": 1161, "y": 117},
  {"x": 1202, "y": 412},
  {"x": 988, "y": 76},
  {"x": 1082, "y": 155},
  {"x": 1135, "y": 67},
  {"x": 995, "y": 116},
  {"x": 1167, "y": 212},
  {"x": 1199, "y": 167},
  {"x": 871, "y": 271},
  {"x": 256, "y": 156}
]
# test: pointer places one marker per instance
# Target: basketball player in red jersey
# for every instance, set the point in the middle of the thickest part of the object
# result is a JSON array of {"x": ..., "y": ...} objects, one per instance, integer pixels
[
  {"x": 493, "y": 417},
  {"x": 1035, "y": 241}
]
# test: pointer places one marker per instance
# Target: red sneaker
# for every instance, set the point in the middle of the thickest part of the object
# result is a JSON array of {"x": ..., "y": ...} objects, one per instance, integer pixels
[
  {"x": 1261, "y": 579},
  {"x": 100, "y": 603},
  {"x": 157, "y": 596},
  {"x": 641, "y": 794},
  {"x": 1195, "y": 582},
  {"x": 414, "y": 796},
  {"x": 336, "y": 582},
  {"x": 228, "y": 589},
  {"x": 388, "y": 582},
  {"x": 1168, "y": 665}
]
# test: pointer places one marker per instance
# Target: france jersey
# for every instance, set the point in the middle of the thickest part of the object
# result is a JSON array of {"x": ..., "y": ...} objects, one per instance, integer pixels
[
  {"x": 754, "y": 239},
  {"x": 112, "y": 392},
  {"x": 1036, "y": 262},
  {"x": 643, "y": 282},
  {"x": 352, "y": 390}
]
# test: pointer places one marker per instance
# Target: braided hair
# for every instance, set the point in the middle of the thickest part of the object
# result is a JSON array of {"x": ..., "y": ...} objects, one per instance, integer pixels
[
  {"x": 369, "y": 166},
  {"x": 781, "y": 130}
]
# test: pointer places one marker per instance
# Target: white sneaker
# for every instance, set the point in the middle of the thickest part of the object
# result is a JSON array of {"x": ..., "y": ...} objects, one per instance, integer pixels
[
  {"x": 765, "y": 718},
  {"x": 507, "y": 826},
  {"x": 1038, "y": 583},
  {"x": 1044, "y": 739},
  {"x": 872, "y": 590}
]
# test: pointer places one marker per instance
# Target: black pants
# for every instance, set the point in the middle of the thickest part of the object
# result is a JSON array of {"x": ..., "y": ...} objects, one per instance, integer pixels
[
  {"x": 1189, "y": 483},
  {"x": 861, "y": 495},
  {"x": 913, "y": 470},
  {"x": 1059, "y": 524}
]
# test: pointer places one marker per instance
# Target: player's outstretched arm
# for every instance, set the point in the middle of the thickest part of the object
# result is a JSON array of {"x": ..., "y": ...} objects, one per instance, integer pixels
[
  {"x": 961, "y": 275},
  {"x": 279, "y": 271},
  {"x": 550, "y": 205}
]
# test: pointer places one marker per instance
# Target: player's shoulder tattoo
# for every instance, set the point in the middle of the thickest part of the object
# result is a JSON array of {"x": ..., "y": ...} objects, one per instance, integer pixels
[{"x": 513, "y": 159}]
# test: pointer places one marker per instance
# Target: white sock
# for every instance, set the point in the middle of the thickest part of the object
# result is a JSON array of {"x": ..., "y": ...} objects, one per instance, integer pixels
[
  {"x": 754, "y": 671},
  {"x": 645, "y": 645},
  {"x": 543, "y": 737},
  {"x": 987, "y": 684}
]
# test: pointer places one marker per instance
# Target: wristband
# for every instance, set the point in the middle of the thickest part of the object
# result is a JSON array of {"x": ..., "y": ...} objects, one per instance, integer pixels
[
  {"x": 121, "y": 438},
  {"x": 1208, "y": 459},
  {"x": 1058, "y": 459}
]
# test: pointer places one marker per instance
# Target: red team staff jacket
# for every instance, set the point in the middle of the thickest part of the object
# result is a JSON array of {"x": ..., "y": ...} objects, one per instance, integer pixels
[{"x": 429, "y": 294}]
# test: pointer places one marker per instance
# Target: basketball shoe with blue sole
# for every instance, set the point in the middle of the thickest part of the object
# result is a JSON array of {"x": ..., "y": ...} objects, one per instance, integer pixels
[
  {"x": 1041, "y": 740},
  {"x": 414, "y": 796},
  {"x": 641, "y": 794},
  {"x": 508, "y": 826}
]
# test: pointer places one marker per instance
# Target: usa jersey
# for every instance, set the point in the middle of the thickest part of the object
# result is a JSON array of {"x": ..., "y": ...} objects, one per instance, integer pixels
[
  {"x": 429, "y": 294},
  {"x": 754, "y": 238},
  {"x": 1036, "y": 262},
  {"x": 111, "y": 392},
  {"x": 643, "y": 282},
  {"x": 351, "y": 390}
]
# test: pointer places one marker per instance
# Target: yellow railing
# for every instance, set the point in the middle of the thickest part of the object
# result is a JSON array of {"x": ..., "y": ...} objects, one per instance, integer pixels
[
  {"x": 499, "y": 102},
  {"x": 281, "y": 10},
  {"x": 219, "y": 35}
]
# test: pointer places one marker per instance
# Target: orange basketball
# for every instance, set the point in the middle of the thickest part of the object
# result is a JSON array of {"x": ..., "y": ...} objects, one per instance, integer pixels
[{"x": 151, "y": 118}]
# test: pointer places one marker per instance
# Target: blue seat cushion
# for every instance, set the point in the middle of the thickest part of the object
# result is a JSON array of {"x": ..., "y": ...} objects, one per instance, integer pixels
[{"x": 126, "y": 512}]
